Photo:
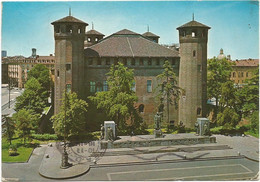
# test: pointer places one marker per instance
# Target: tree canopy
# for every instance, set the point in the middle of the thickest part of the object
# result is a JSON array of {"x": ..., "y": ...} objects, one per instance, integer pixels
[
  {"x": 70, "y": 121},
  {"x": 118, "y": 101},
  {"x": 31, "y": 98}
]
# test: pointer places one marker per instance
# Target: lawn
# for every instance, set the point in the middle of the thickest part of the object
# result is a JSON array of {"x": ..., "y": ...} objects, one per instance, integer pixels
[{"x": 24, "y": 151}]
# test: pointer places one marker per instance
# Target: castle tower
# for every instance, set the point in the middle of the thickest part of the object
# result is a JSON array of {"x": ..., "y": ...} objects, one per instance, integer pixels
[
  {"x": 69, "y": 35},
  {"x": 92, "y": 37},
  {"x": 193, "y": 37}
]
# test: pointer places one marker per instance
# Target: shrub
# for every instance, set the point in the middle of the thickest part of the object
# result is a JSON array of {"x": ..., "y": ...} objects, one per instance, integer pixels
[
  {"x": 12, "y": 151},
  {"x": 45, "y": 136}
]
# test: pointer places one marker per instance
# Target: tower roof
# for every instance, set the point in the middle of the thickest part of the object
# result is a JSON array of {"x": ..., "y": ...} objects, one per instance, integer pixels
[
  {"x": 150, "y": 34},
  {"x": 93, "y": 32},
  {"x": 69, "y": 19},
  {"x": 193, "y": 23}
]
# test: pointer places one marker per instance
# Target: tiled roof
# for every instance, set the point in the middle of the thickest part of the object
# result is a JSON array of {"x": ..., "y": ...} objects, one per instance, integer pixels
[
  {"x": 193, "y": 23},
  {"x": 150, "y": 34},
  {"x": 69, "y": 19},
  {"x": 126, "y": 43},
  {"x": 93, "y": 32},
  {"x": 247, "y": 62}
]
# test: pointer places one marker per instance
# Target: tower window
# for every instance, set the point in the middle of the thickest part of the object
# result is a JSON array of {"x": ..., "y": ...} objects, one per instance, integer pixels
[
  {"x": 198, "y": 111},
  {"x": 69, "y": 29},
  {"x": 149, "y": 62},
  {"x": 107, "y": 61},
  {"x": 89, "y": 39},
  {"x": 194, "y": 53},
  {"x": 141, "y": 108},
  {"x": 90, "y": 62},
  {"x": 92, "y": 87},
  {"x": 79, "y": 30},
  {"x": 57, "y": 28},
  {"x": 96, "y": 39},
  {"x": 141, "y": 62},
  {"x": 149, "y": 86},
  {"x": 193, "y": 33},
  {"x": 133, "y": 62},
  {"x": 184, "y": 33},
  {"x": 68, "y": 67}
]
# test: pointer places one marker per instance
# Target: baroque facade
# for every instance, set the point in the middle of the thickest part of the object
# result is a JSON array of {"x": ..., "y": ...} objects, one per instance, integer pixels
[{"x": 83, "y": 59}]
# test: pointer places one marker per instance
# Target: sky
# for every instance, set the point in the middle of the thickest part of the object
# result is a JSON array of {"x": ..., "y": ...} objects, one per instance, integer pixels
[{"x": 234, "y": 24}]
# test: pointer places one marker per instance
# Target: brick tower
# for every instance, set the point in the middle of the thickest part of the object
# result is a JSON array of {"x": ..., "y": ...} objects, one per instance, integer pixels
[
  {"x": 69, "y": 34},
  {"x": 193, "y": 37}
]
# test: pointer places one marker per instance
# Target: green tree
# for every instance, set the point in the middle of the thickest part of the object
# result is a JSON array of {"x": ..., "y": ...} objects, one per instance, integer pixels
[
  {"x": 70, "y": 121},
  {"x": 169, "y": 92},
  {"x": 31, "y": 98},
  {"x": 118, "y": 101},
  {"x": 255, "y": 122},
  {"x": 8, "y": 128},
  {"x": 228, "y": 116},
  {"x": 250, "y": 94},
  {"x": 42, "y": 74},
  {"x": 25, "y": 121},
  {"x": 219, "y": 72}
]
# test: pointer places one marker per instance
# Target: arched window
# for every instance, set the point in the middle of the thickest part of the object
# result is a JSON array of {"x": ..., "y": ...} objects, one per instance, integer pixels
[
  {"x": 141, "y": 108},
  {"x": 193, "y": 33},
  {"x": 234, "y": 74},
  {"x": 246, "y": 74},
  {"x": 198, "y": 111},
  {"x": 57, "y": 28},
  {"x": 96, "y": 39},
  {"x": 69, "y": 29}
]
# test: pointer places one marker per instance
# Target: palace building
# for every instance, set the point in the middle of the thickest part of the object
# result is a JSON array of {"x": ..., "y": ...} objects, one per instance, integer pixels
[{"x": 82, "y": 60}]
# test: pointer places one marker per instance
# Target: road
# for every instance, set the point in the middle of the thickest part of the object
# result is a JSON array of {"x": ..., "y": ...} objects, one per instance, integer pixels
[
  {"x": 15, "y": 92},
  {"x": 224, "y": 169}
]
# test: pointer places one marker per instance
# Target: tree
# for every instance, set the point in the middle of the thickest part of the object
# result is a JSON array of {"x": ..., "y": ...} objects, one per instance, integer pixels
[
  {"x": 70, "y": 121},
  {"x": 228, "y": 116},
  {"x": 8, "y": 128},
  {"x": 168, "y": 89},
  {"x": 42, "y": 74},
  {"x": 25, "y": 121},
  {"x": 250, "y": 94},
  {"x": 219, "y": 72},
  {"x": 118, "y": 101},
  {"x": 31, "y": 98}
]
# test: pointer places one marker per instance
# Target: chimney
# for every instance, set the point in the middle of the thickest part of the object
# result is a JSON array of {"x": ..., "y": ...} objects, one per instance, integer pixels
[{"x": 33, "y": 52}]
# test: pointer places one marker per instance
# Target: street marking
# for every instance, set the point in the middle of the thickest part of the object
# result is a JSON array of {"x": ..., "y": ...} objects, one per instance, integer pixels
[{"x": 174, "y": 169}]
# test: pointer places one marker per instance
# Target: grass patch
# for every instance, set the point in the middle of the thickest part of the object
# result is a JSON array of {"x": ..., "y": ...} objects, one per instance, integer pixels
[
  {"x": 24, "y": 154},
  {"x": 252, "y": 134}
]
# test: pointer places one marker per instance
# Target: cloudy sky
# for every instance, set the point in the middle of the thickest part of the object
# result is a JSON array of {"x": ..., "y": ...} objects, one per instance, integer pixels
[{"x": 234, "y": 24}]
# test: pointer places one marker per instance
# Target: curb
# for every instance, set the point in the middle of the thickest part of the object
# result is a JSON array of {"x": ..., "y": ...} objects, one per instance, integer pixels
[{"x": 164, "y": 161}]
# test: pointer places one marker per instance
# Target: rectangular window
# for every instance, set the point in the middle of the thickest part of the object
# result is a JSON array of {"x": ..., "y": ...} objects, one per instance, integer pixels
[
  {"x": 149, "y": 62},
  {"x": 149, "y": 86},
  {"x": 107, "y": 61},
  {"x": 141, "y": 62},
  {"x": 133, "y": 87},
  {"x": 133, "y": 62},
  {"x": 92, "y": 87},
  {"x": 68, "y": 87},
  {"x": 158, "y": 62},
  {"x": 105, "y": 86},
  {"x": 68, "y": 67}
]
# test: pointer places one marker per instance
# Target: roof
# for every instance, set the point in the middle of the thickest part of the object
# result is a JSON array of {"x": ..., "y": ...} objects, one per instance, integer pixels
[
  {"x": 193, "y": 23},
  {"x": 126, "y": 43},
  {"x": 150, "y": 34},
  {"x": 69, "y": 19},
  {"x": 247, "y": 62},
  {"x": 93, "y": 32}
]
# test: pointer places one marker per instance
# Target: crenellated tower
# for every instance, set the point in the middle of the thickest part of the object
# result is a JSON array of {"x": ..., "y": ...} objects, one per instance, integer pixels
[
  {"x": 193, "y": 37},
  {"x": 69, "y": 35}
]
